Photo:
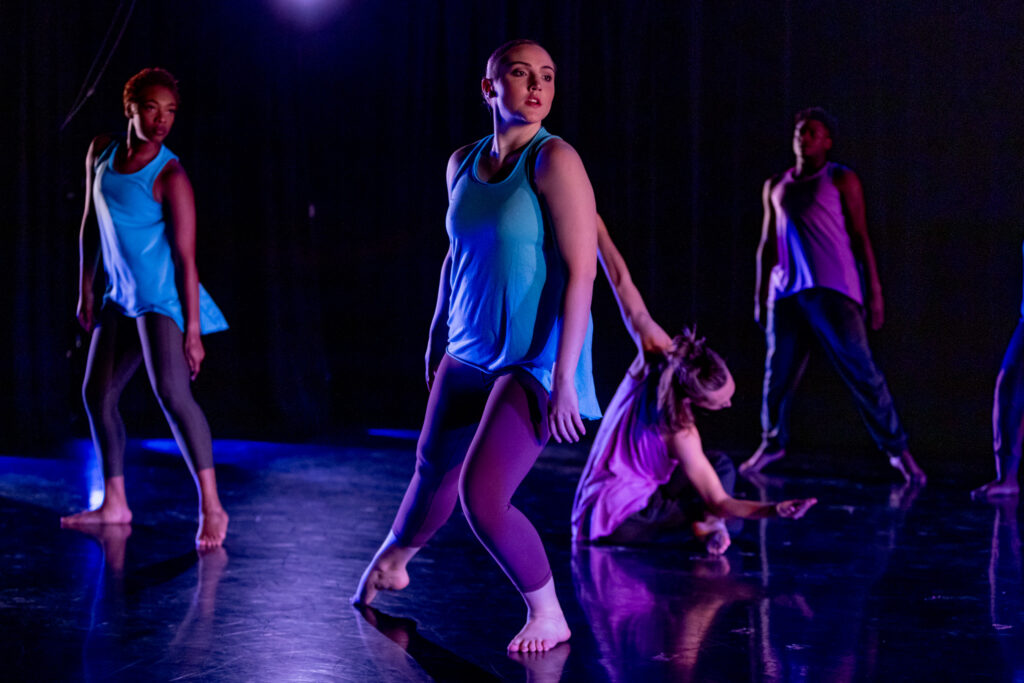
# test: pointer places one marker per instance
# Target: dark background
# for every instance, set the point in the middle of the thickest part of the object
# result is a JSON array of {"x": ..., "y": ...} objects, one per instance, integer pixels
[{"x": 317, "y": 147}]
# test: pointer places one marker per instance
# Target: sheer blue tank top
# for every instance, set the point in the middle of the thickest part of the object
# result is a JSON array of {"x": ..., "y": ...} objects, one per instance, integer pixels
[
  {"x": 507, "y": 277},
  {"x": 136, "y": 251}
]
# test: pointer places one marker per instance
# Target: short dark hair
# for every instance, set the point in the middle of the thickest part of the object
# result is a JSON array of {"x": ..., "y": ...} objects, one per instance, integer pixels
[
  {"x": 147, "y": 78},
  {"x": 817, "y": 114}
]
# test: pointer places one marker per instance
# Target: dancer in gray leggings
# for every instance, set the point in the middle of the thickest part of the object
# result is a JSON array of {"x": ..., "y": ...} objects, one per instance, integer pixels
[{"x": 140, "y": 216}]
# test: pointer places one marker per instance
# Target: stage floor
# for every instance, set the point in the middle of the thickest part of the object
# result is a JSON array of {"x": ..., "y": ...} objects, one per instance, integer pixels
[{"x": 879, "y": 583}]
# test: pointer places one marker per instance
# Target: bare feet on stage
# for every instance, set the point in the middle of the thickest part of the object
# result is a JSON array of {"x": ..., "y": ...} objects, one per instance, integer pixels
[
  {"x": 997, "y": 489},
  {"x": 712, "y": 533},
  {"x": 213, "y": 527},
  {"x": 541, "y": 633},
  {"x": 113, "y": 510},
  {"x": 908, "y": 467},
  {"x": 386, "y": 571},
  {"x": 764, "y": 455},
  {"x": 545, "y": 626},
  {"x": 104, "y": 514}
]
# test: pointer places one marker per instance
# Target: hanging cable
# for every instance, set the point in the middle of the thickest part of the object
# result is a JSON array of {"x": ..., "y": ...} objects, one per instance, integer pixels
[{"x": 89, "y": 86}]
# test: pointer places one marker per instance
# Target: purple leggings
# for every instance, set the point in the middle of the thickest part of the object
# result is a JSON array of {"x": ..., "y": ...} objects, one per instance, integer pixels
[{"x": 481, "y": 435}]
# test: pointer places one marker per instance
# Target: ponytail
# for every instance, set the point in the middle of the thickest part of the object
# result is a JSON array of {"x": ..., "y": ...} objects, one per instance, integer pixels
[{"x": 689, "y": 370}]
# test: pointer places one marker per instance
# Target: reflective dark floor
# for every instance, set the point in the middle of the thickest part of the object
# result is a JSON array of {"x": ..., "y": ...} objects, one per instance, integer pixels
[{"x": 880, "y": 582}]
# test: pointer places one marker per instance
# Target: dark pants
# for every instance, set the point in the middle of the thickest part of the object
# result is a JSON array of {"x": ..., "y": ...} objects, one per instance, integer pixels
[
  {"x": 674, "y": 505},
  {"x": 836, "y": 323},
  {"x": 1008, "y": 406},
  {"x": 481, "y": 435},
  {"x": 119, "y": 346}
]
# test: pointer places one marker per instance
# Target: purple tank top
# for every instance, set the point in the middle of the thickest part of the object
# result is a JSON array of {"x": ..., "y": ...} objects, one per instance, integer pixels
[
  {"x": 628, "y": 462},
  {"x": 813, "y": 243}
]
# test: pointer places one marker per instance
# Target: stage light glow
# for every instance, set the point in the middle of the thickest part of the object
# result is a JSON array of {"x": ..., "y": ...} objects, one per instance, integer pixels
[
  {"x": 308, "y": 14},
  {"x": 92, "y": 472}
]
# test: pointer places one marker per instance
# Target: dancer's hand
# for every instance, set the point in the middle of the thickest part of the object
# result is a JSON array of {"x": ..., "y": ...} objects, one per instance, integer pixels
[
  {"x": 432, "y": 360},
  {"x": 794, "y": 509},
  {"x": 564, "y": 419},
  {"x": 652, "y": 336},
  {"x": 194, "y": 353},
  {"x": 85, "y": 311}
]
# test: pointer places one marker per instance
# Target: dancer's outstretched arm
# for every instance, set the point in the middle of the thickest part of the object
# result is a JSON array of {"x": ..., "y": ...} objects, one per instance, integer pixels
[
  {"x": 685, "y": 446},
  {"x": 648, "y": 335}
]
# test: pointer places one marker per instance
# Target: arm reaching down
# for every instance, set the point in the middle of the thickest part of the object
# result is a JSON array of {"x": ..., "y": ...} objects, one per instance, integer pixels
[
  {"x": 685, "y": 446},
  {"x": 648, "y": 335},
  {"x": 89, "y": 242},
  {"x": 767, "y": 255},
  {"x": 177, "y": 196},
  {"x": 563, "y": 183},
  {"x": 852, "y": 196}
]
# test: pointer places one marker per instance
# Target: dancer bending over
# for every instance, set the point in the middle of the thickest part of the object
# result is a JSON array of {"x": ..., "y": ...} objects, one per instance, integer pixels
[
  {"x": 153, "y": 309},
  {"x": 1008, "y": 418},
  {"x": 813, "y": 238},
  {"x": 648, "y": 472},
  {"x": 508, "y": 360}
]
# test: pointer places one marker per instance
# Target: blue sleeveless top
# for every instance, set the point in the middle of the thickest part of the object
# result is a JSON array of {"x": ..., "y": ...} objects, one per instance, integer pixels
[
  {"x": 136, "y": 249},
  {"x": 507, "y": 276}
]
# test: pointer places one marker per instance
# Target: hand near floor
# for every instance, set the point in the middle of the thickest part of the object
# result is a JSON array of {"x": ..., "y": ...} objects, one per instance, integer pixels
[{"x": 794, "y": 509}]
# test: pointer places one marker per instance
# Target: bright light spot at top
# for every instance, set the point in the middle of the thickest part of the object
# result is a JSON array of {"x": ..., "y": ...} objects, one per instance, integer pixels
[{"x": 308, "y": 14}]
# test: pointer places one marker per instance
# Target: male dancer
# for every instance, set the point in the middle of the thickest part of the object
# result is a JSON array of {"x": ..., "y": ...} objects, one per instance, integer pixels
[{"x": 813, "y": 239}]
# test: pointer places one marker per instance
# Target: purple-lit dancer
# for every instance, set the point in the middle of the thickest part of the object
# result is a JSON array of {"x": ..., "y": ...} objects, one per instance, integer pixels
[
  {"x": 508, "y": 359},
  {"x": 140, "y": 214},
  {"x": 1008, "y": 418},
  {"x": 809, "y": 291},
  {"x": 648, "y": 473}
]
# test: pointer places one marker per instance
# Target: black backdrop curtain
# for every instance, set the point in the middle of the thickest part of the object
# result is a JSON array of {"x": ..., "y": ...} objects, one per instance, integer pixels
[{"x": 317, "y": 150}]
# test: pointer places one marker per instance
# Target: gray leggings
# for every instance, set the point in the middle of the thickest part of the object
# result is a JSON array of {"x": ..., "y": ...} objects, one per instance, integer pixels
[{"x": 119, "y": 345}]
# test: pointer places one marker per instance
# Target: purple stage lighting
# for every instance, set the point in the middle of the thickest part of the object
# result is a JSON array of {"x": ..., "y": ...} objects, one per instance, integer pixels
[{"x": 308, "y": 14}]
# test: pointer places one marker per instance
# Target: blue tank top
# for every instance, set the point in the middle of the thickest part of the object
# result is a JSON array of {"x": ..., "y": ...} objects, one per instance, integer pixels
[
  {"x": 136, "y": 251},
  {"x": 507, "y": 277}
]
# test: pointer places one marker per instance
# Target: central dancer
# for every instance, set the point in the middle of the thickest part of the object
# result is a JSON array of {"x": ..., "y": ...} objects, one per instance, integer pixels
[{"x": 508, "y": 357}]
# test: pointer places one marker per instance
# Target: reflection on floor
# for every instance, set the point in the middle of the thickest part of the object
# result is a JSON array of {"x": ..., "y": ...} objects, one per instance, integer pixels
[{"x": 879, "y": 582}]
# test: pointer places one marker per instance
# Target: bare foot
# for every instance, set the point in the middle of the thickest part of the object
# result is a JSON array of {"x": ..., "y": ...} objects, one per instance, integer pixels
[
  {"x": 908, "y": 467},
  {"x": 105, "y": 514},
  {"x": 997, "y": 488},
  {"x": 543, "y": 667},
  {"x": 213, "y": 527},
  {"x": 761, "y": 457},
  {"x": 386, "y": 571},
  {"x": 541, "y": 633},
  {"x": 712, "y": 532}
]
